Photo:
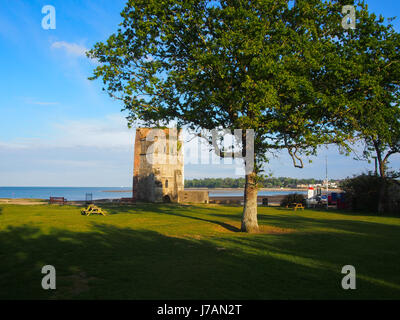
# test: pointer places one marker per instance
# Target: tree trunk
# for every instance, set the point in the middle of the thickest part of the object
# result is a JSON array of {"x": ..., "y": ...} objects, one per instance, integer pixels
[
  {"x": 382, "y": 196},
  {"x": 382, "y": 188},
  {"x": 249, "y": 219},
  {"x": 382, "y": 168},
  {"x": 381, "y": 203}
]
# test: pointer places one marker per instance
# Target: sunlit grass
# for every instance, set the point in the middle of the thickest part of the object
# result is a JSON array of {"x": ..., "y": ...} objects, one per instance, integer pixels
[{"x": 196, "y": 252}]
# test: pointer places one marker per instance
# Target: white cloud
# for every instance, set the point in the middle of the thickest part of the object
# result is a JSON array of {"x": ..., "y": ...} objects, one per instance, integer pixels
[
  {"x": 71, "y": 163},
  {"x": 44, "y": 103},
  {"x": 14, "y": 145},
  {"x": 72, "y": 49},
  {"x": 109, "y": 132},
  {"x": 84, "y": 152},
  {"x": 39, "y": 103}
]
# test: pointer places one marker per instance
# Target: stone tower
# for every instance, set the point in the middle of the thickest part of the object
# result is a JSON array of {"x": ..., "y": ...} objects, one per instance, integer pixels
[{"x": 158, "y": 165}]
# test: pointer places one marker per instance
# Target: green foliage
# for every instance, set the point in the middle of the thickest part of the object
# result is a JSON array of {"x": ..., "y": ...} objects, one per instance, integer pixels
[
  {"x": 262, "y": 65},
  {"x": 371, "y": 79},
  {"x": 363, "y": 192},
  {"x": 289, "y": 199},
  {"x": 215, "y": 183},
  {"x": 264, "y": 182}
]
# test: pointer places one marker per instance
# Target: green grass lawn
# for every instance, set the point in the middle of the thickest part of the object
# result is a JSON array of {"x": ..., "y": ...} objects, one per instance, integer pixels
[{"x": 196, "y": 252}]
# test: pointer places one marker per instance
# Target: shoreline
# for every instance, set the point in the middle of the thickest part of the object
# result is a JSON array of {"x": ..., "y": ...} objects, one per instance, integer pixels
[
  {"x": 238, "y": 189},
  {"x": 219, "y": 199},
  {"x": 219, "y": 195}
]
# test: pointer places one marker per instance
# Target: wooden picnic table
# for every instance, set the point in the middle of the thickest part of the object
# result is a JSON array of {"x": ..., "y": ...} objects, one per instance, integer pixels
[
  {"x": 92, "y": 209},
  {"x": 296, "y": 205}
]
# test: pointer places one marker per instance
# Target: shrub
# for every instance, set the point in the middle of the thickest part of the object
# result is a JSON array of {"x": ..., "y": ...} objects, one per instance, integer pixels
[
  {"x": 363, "y": 192},
  {"x": 293, "y": 198}
]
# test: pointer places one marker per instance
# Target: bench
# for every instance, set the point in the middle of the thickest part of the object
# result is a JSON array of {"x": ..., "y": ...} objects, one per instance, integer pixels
[
  {"x": 127, "y": 200},
  {"x": 58, "y": 200}
]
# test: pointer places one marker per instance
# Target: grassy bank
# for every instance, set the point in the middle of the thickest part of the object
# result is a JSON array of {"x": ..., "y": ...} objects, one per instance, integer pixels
[{"x": 195, "y": 252}]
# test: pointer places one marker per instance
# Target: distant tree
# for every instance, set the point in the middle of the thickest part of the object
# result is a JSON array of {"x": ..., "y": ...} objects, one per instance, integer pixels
[
  {"x": 289, "y": 199},
  {"x": 363, "y": 193},
  {"x": 262, "y": 65},
  {"x": 240, "y": 182},
  {"x": 372, "y": 52}
]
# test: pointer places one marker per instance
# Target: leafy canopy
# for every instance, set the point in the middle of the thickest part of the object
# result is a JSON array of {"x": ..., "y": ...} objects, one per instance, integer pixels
[
  {"x": 264, "y": 65},
  {"x": 372, "y": 53}
]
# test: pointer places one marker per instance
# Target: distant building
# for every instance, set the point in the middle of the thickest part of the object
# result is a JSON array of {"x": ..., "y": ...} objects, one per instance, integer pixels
[
  {"x": 158, "y": 174},
  {"x": 333, "y": 185}
]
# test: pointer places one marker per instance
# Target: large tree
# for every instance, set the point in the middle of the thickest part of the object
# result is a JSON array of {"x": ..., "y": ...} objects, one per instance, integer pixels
[{"x": 263, "y": 65}]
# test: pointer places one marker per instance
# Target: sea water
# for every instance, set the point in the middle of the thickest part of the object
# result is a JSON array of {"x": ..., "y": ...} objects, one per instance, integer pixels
[
  {"x": 70, "y": 193},
  {"x": 79, "y": 193}
]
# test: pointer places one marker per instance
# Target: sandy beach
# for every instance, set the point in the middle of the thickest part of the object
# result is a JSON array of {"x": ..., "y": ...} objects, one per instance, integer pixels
[{"x": 24, "y": 201}]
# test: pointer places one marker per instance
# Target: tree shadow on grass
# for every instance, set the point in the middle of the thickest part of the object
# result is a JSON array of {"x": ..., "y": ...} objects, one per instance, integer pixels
[
  {"x": 298, "y": 221},
  {"x": 122, "y": 263},
  {"x": 348, "y": 212},
  {"x": 373, "y": 229},
  {"x": 119, "y": 263},
  {"x": 168, "y": 209},
  {"x": 293, "y": 219},
  {"x": 224, "y": 225}
]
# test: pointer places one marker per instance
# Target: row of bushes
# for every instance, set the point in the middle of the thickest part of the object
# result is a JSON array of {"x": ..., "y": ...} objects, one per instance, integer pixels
[{"x": 293, "y": 198}]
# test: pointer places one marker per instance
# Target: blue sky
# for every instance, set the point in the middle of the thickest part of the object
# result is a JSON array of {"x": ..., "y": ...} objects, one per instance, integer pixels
[{"x": 59, "y": 129}]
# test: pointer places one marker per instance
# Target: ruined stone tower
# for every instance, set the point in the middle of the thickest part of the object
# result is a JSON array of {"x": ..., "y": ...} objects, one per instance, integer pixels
[{"x": 158, "y": 165}]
